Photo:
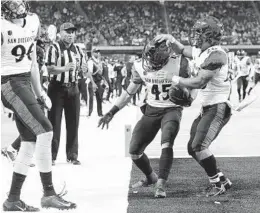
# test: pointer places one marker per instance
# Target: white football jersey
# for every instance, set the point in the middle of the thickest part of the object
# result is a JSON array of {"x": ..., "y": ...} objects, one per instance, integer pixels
[
  {"x": 242, "y": 68},
  {"x": 218, "y": 88},
  {"x": 257, "y": 65},
  {"x": 156, "y": 83},
  {"x": 18, "y": 44}
]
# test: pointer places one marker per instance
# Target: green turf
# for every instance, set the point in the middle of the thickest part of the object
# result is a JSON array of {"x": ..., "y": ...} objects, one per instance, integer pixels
[{"x": 187, "y": 182}]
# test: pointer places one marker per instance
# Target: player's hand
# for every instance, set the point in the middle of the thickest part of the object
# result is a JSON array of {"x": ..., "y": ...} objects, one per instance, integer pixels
[
  {"x": 105, "y": 120},
  {"x": 70, "y": 66},
  {"x": 45, "y": 101},
  {"x": 165, "y": 37}
]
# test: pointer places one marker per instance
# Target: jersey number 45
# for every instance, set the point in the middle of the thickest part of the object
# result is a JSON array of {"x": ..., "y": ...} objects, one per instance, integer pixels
[{"x": 158, "y": 89}]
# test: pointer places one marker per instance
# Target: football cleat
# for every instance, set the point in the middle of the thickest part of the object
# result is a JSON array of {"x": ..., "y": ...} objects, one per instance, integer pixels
[
  {"x": 9, "y": 155},
  {"x": 160, "y": 191},
  {"x": 226, "y": 183},
  {"x": 144, "y": 183},
  {"x": 56, "y": 202},
  {"x": 214, "y": 190},
  {"x": 18, "y": 206}
]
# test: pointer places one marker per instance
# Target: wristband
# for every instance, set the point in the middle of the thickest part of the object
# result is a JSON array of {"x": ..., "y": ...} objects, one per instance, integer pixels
[
  {"x": 114, "y": 110},
  {"x": 176, "y": 79}
]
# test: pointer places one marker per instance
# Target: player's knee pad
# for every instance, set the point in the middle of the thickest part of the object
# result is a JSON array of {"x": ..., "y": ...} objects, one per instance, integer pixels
[
  {"x": 24, "y": 157},
  {"x": 43, "y": 151},
  {"x": 136, "y": 156},
  {"x": 203, "y": 154}
]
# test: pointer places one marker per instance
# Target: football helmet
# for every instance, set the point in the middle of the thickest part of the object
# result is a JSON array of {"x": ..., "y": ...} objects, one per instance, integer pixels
[
  {"x": 155, "y": 56},
  {"x": 240, "y": 53},
  {"x": 208, "y": 29},
  {"x": 15, "y": 9}
]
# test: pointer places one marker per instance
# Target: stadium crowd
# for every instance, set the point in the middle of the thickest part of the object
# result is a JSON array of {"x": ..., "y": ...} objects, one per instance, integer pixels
[{"x": 132, "y": 23}]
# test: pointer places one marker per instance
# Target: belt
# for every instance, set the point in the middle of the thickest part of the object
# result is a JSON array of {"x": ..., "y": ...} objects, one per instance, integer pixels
[{"x": 69, "y": 84}]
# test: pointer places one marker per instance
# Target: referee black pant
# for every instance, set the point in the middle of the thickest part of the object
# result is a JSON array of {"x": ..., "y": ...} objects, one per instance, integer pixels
[
  {"x": 65, "y": 96},
  {"x": 99, "y": 97},
  {"x": 83, "y": 90}
]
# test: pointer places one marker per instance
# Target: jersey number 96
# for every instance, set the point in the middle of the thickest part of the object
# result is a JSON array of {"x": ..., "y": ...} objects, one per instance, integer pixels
[{"x": 19, "y": 52}]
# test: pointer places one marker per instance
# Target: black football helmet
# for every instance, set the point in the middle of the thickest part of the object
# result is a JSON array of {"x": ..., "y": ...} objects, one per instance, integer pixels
[
  {"x": 15, "y": 9},
  {"x": 155, "y": 55},
  {"x": 240, "y": 54},
  {"x": 208, "y": 29}
]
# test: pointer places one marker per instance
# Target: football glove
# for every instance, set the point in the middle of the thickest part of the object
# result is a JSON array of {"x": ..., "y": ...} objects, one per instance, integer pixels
[
  {"x": 179, "y": 96},
  {"x": 105, "y": 120},
  {"x": 44, "y": 101}
]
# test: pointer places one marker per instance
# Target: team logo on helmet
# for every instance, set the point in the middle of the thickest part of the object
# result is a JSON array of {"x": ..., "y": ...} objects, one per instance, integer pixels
[
  {"x": 155, "y": 56},
  {"x": 14, "y": 9},
  {"x": 207, "y": 29}
]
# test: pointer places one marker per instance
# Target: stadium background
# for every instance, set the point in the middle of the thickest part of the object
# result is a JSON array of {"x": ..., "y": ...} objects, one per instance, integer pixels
[{"x": 122, "y": 28}]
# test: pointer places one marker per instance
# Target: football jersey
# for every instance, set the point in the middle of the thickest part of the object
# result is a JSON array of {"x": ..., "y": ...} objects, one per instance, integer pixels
[
  {"x": 156, "y": 83},
  {"x": 257, "y": 65},
  {"x": 218, "y": 88},
  {"x": 18, "y": 44},
  {"x": 242, "y": 68}
]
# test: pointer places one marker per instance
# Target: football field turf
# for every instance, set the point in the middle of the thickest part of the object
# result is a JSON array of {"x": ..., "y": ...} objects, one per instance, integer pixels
[{"x": 187, "y": 182}]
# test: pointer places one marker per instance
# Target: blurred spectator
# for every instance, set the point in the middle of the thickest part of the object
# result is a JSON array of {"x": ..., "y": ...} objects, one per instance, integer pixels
[{"x": 135, "y": 22}]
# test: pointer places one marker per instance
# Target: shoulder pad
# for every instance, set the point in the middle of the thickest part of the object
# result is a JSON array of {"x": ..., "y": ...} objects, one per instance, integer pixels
[{"x": 215, "y": 60}]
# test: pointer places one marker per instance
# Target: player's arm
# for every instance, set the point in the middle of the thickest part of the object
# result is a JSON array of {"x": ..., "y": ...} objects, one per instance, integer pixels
[
  {"x": 177, "y": 47},
  {"x": 35, "y": 74},
  {"x": 209, "y": 68},
  {"x": 52, "y": 61},
  {"x": 123, "y": 99},
  {"x": 90, "y": 66},
  {"x": 42, "y": 97}
]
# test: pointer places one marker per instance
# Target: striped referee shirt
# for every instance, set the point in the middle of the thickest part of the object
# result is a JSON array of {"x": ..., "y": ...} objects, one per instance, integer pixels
[{"x": 59, "y": 55}]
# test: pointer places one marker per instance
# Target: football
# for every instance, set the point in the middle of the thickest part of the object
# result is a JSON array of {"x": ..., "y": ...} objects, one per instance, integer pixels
[{"x": 180, "y": 96}]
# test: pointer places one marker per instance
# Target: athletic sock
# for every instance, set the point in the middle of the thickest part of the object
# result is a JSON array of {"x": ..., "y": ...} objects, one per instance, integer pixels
[
  {"x": 165, "y": 163},
  {"x": 16, "y": 186},
  {"x": 48, "y": 188},
  {"x": 210, "y": 165},
  {"x": 143, "y": 164}
]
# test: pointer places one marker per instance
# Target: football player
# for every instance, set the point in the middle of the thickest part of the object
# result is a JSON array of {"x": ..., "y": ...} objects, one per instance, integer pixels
[
  {"x": 256, "y": 77},
  {"x": 19, "y": 70},
  {"x": 159, "y": 112},
  {"x": 212, "y": 67},
  {"x": 242, "y": 68}
]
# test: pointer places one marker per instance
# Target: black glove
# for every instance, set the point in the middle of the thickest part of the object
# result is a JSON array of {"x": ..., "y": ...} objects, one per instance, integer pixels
[
  {"x": 180, "y": 96},
  {"x": 108, "y": 117}
]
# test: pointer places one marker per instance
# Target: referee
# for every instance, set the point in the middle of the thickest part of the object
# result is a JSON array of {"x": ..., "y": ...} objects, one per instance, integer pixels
[{"x": 64, "y": 61}]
